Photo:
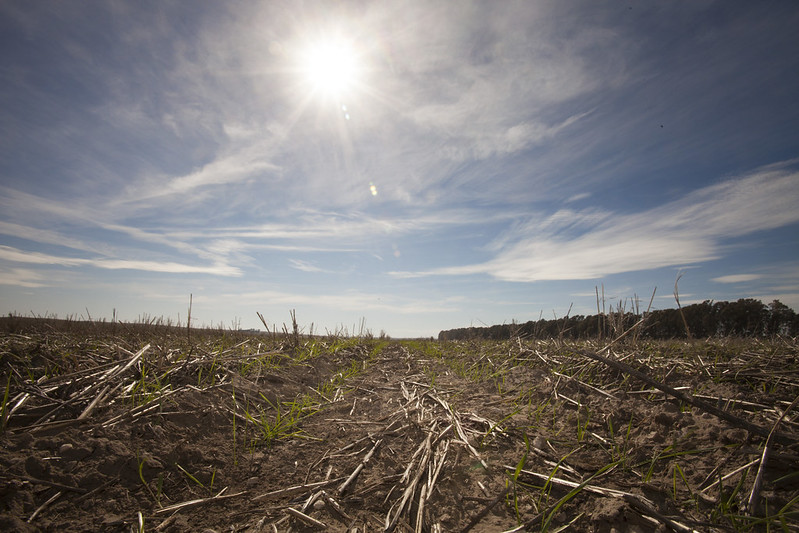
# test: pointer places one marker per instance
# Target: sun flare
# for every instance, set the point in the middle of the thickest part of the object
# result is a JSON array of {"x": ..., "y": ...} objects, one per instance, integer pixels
[{"x": 331, "y": 67}]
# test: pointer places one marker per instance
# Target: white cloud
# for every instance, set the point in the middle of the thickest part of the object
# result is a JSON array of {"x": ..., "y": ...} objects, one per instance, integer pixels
[
  {"x": 687, "y": 231},
  {"x": 19, "y": 277},
  {"x": 577, "y": 197},
  {"x": 166, "y": 266},
  {"x": 469, "y": 142},
  {"x": 736, "y": 278},
  {"x": 44, "y": 236},
  {"x": 15, "y": 255},
  {"x": 335, "y": 231},
  {"x": 226, "y": 170},
  {"x": 494, "y": 97},
  {"x": 20, "y": 206},
  {"x": 305, "y": 266}
]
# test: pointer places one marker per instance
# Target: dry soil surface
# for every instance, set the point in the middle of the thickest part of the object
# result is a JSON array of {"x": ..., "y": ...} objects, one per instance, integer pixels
[{"x": 375, "y": 436}]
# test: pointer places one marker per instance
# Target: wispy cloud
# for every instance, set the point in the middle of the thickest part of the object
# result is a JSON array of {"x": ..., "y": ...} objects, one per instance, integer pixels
[
  {"x": 20, "y": 277},
  {"x": 305, "y": 266},
  {"x": 45, "y": 236},
  {"x": 15, "y": 255},
  {"x": 238, "y": 167},
  {"x": 332, "y": 230},
  {"x": 9, "y": 253},
  {"x": 736, "y": 278},
  {"x": 22, "y": 206},
  {"x": 85, "y": 221},
  {"x": 578, "y": 197},
  {"x": 693, "y": 229},
  {"x": 167, "y": 267},
  {"x": 777, "y": 282}
]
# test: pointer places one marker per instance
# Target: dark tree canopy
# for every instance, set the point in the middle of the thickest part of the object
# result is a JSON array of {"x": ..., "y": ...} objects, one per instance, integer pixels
[{"x": 744, "y": 318}]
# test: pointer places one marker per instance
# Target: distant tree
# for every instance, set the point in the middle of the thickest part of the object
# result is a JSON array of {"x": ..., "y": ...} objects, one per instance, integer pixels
[
  {"x": 745, "y": 317},
  {"x": 701, "y": 319},
  {"x": 781, "y": 319},
  {"x": 665, "y": 324}
]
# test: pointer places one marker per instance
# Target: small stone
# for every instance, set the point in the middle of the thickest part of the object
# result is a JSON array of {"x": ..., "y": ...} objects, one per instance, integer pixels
[{"x": 65, "y": 448}]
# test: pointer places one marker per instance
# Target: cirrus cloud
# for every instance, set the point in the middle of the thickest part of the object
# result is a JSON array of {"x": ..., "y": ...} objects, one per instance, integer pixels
[{"x": 571, "y": 245}]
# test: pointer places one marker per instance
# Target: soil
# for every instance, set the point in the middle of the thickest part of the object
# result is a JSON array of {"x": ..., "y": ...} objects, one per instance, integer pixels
[{"x": 389, "y": 435}]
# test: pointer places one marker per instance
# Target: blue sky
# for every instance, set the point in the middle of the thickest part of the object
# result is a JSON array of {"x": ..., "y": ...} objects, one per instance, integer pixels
[{"x": 465, "y": 163}]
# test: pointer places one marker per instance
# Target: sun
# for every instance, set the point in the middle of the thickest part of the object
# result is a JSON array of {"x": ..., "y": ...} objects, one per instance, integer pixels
[{"x": 331, "y": 67}]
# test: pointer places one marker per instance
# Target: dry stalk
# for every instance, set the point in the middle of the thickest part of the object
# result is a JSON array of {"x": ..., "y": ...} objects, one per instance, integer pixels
[
  {"x": 297, "y": 489},
  {"x": 310, "y": 521},
  {"x": 487, "y": 509},
  {"x": 585, "y": 385},
  {"x": 728, "y": 476},
  {"x": 335, "y": 508},
  {"x": 358, "y": 468},
  {"x": 86, "y": 412},
  {"x": 188, "y": 322},
  {"x": 754, "y": 496},
  {"x": 420, "y": 510},
  {"x": 459, "y": 429},
  {"x": 43, "y": 506},
  {"x": 263, "y": 321},
  {"x": 426, "y": 446},
  {"x": 202, "y": 501},
  {"x": 679, "y": 307}
]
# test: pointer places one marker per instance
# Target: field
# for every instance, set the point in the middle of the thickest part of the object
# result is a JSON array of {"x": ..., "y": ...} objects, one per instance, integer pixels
[{"x": 136, "y": 427}]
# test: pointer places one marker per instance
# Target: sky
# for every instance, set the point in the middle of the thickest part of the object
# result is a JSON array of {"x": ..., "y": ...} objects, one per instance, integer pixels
[{"x": 408, "y": 166}]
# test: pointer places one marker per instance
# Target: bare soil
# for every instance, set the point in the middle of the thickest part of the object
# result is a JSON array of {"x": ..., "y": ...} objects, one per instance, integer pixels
[{"x": 223, "y": 433}]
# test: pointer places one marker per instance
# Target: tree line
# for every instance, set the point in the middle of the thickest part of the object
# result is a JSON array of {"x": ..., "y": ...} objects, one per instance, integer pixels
[{"x": 746, "y": 317}]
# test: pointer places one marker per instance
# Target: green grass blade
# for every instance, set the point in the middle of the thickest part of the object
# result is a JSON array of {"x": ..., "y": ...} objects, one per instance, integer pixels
[{"x": 189, "y": 475}]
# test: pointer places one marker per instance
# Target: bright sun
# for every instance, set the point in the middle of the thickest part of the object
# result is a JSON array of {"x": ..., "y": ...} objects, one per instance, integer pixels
[{"x": 331, "y": 67}]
